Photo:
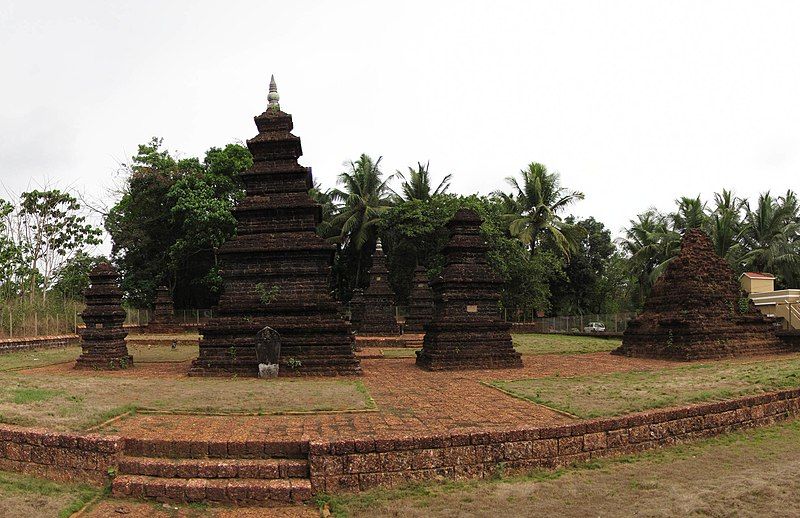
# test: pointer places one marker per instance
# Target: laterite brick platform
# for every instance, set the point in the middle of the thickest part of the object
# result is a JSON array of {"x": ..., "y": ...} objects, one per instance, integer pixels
[{"x": 428, "y": 426}]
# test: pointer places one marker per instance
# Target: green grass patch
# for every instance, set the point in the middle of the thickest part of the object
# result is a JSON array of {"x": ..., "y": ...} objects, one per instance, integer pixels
[
  {"x": 532, "y": 344},
  {"x": 38, "y": 358},
  {"x": 22, "y": 495},
  {"x": 73, "y": 401},
  {"x": 627, "y": 392}
]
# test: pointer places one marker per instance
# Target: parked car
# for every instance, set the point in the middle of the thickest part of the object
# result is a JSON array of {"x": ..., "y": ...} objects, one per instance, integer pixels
[{"x": 595, "y": 327}]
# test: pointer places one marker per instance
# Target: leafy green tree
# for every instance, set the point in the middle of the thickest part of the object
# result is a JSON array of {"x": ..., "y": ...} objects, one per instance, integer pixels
[
  {"x": 587, "y": 286},
  {"x": 534, "y": 210},
  {"x": 73, "y": 278},
  {"x": 10, "y": 258},
  {"x": 418, "y": 184},
  {"x": 51, "y": 230},
  {"x": 171, "y": 219}
]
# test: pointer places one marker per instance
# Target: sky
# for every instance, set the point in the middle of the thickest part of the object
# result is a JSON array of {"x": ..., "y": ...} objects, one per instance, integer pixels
[{"x": 634, "y": 103}]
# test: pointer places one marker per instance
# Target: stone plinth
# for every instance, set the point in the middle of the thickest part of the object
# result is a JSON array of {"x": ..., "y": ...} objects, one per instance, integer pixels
[
  {"x": 697, "y": 310},
  {"x": 103, "y": 338},
  {"x": 276, "y": 269},
  {"x": 378, "y": 314},
  {"x": 467, "y": 330},
  {"x": 420, "y": 303}
]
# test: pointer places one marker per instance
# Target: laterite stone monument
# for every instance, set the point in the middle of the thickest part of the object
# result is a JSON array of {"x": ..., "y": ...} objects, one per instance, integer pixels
[
  {"x": 103, "y": 337},
  {"x": 276, "y": 269},
  {"x": 420, "y": 303},
  {"x": 378, "y": 317},
  {"x": 163, "y": 320},
  {"x": 697, "y": 310},
  {"x": 467, "y": 330}
]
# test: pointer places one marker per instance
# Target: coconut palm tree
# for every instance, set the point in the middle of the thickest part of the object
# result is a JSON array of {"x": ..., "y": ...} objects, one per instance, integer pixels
[
  {"x": 651, "y": 243},
  {"x": 364, "y": 196},
  {"x": 771, "y": 236},
  {"x": 538, "y": 199},
  {"x": 418, "y": 184},
  {"x": 725, "y": 224},
  {"x": 691, "y": 214}
]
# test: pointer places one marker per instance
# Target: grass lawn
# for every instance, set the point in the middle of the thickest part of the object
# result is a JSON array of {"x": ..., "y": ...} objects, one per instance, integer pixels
[
  {"x": 531, "y": 344},
  {"x": 141, "y": 352},
  {"x": 627, "y": 392},
  {"x": 751, "y": 473},
  {"x": 562, "y": 344},
  {"x": 21, "y": 495},
  {"x": 73, "y": 402}
]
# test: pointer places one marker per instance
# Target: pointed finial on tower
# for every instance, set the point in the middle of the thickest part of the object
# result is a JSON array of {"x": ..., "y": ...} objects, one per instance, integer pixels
[
  {"x": 273, "y": 96},
  {"x": 379, "y": 246}
]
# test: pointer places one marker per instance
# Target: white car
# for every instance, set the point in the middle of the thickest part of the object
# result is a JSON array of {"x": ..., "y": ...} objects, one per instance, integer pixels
[{"x": 595, "y": 327}]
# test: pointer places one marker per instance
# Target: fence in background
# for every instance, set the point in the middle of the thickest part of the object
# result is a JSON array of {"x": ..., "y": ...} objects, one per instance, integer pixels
[
  {"x": 614, "y": 322},
  {"x": 17, "y": 320}
]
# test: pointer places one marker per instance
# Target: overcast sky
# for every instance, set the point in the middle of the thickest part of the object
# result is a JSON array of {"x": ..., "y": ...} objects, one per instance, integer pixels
[{"x": 635, "y": 103}]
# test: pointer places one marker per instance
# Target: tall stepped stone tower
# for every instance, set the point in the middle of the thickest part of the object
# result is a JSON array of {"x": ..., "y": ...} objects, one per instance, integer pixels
[
  {"x": 276, "y": 269},
  {"x": 467, "y": 330}
]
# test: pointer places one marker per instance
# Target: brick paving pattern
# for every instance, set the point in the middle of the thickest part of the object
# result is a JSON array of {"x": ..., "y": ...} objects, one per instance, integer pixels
[{"x": 410, "y": 401}]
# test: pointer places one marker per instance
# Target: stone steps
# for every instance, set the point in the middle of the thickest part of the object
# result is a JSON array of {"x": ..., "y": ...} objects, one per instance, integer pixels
[
  {"x": 214, "y": 468},
  {"x": 234, "y": 473},
  {"x": 235, "y": 491}
]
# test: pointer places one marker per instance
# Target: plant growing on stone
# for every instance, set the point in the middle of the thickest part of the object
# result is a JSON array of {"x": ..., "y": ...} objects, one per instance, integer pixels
[
  {"x": 293, "y": 363},
  {"x": 267, "y": 295}
]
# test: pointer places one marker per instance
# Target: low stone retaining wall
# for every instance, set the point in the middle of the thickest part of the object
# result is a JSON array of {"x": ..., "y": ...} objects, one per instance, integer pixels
[
  {"x": 8, "y": 345},
  {"x": 366, "y": 463},
  {"x": 59, "y": 456}
]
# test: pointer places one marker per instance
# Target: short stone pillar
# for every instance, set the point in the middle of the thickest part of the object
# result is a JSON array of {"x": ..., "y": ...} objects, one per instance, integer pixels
[{"x": 103, "y": 337}]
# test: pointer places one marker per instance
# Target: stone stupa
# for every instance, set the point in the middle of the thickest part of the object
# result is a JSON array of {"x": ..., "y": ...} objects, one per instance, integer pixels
[
  {"x": 467, "y": 330},
  {"x": 276, "y": 269},
  {"x": 378, "y": 316},
  {"x": 163, "y": 319},
  {"x": 103, "y": 337},
  {"x": 697, "y": 310}
]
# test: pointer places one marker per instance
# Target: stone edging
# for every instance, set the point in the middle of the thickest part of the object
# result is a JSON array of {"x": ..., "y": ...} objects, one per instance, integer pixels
[
  {"x": 58, "y": 456},
  {"x": 8, "y": 345},
  {"x": 361, "y": 464}
]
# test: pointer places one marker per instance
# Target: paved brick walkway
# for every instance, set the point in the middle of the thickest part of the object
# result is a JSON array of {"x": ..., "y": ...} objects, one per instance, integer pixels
[{"x": 410, "y": 401}]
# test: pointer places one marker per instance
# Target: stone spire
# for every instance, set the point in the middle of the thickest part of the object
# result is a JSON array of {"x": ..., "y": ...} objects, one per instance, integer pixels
[
  {"x": 420, "y": 304},
  {"x": 273, "y": 97},
  {"x": 378, "y": 316},
  {"x": 276, "y": 269}
]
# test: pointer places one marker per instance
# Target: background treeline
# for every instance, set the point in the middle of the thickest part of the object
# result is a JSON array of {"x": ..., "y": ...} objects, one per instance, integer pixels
[{"x": 172, "y": 214}]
